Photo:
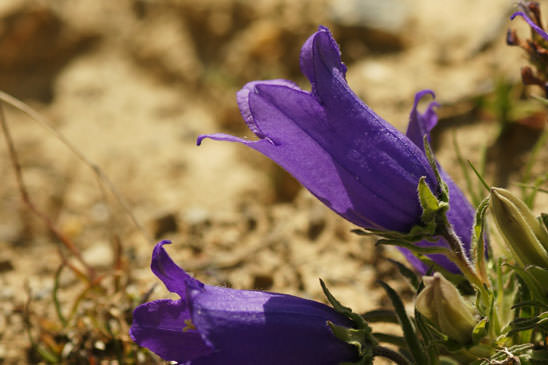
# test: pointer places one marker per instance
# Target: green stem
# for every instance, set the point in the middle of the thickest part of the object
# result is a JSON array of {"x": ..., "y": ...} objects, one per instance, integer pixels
[
  {"x": 460, "y": 258},
  {"x": 390, "y": 354}
]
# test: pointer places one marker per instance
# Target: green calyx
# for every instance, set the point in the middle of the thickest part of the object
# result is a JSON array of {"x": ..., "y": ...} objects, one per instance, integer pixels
[{"x": 360, "y": 336}]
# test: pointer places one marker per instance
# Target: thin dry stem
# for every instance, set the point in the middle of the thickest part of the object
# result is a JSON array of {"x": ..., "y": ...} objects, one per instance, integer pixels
[
  {"x": 27, "y": 200},
  {"x": 99, "y": 174}
]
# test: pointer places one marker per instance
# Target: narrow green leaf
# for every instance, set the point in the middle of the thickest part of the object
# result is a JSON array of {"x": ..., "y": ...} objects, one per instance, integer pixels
[
  {"x": 430, "y": 250},
  {"x": 360, "y": 337},
  {"x": 544, "y": 219},
  {"x": 416, "y": 347},
  {"x": 54, "y": 292},
  {"x": 431, "y": 336},
  {"x": 47, "y": 355},
  {"x": 480, "y": 330},
  {"x": 478, "y": 238},
  {"x": 541, "y": 99},
  {"x": 406, "y": 272},
  {"x": 529, "y": 199},
  {"x": 354, "y": 337},
  {"x": 444, "y": 360},
  {"x": 380, "y": 315},
  {"x": 391, "y": 339},
  {"x": 540, "y": 275},
  {"x": 361, "y": 232},
  {"x": 464, "y": 168},
  {"x": 482, "y": 165},
  {"x": 346, "y": 311},
  {"x": 539, "y": 356},
  {"x": 536, "y": 286},
  {"x": 530, "y": 303},
  {"x": 481, "y": 179}
]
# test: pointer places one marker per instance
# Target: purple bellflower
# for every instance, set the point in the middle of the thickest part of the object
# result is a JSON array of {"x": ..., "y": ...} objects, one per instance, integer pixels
[
  {"x": 356, "y": 163},
  {"x": 211, "y": 325}
]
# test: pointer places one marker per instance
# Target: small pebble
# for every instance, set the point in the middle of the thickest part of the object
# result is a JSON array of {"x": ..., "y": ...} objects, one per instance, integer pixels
[
  {"x": 196, "y": 216},
  {"x": 99, "y": 255}
]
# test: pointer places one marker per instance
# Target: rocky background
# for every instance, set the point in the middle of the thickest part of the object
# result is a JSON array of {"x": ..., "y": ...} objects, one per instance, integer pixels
[{"x": 132, "y": 83}]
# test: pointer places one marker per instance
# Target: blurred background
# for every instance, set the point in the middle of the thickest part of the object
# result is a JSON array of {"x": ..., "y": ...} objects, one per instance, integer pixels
[{"x": 132, "y": 83}]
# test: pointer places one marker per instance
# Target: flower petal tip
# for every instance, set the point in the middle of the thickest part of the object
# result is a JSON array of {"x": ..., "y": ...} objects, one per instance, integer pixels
[
  {"x": 200, "y": 139},
  {"x": 531, "y": 23},
  {"x": 419, "y": 95},
  {"x": 174, "y": 278},
  {"x": 321, "y": 46},
  {"x": 517, "y": 13}
]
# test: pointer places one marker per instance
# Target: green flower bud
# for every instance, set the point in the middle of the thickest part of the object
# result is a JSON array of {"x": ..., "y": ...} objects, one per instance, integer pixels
[
  {"x": 524, "y": 234},
  {"x": 442, "y": 304}
]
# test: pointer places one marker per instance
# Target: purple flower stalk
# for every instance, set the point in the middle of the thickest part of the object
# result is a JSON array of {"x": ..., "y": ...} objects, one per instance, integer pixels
[
  {"x": 531, "y": 23},
  {"x": 356, "y": 163},
  {"x": 536, "y": 47},
  {"x": 211, "y": 325}
]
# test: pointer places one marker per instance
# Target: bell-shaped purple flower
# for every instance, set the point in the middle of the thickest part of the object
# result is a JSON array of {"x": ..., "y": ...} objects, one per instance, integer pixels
[
  {"x": 359, "y": 165},
  {"x": 212, "y": 325}
]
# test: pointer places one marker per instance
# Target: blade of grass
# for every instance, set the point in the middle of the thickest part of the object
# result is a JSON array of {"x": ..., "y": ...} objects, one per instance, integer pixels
[
  {"x": 406, "y": 272},
  {"x": 380, "y": 315},
  {"x": 56, "y": 302},
  {"x": 481, "y": 179},
  {"x": 26, "y": 197},
  {"x": 410, "y": 336},
  {"x": 478, "y": 239},
  {"x": 464, "y": 168},
  {"x": 97, "y": 171}
]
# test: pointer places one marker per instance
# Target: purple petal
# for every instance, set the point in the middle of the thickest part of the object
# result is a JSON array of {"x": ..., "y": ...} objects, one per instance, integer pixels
[
  {"x": 162, "y": 327},
  {"x": 242, "y": 98},
  {"x": 250, "y": 327},
  {"x": 329, "y": 51},
  {"x": 174, "y": 278},
  {"x": 349, "y": 117},
  {"x": 461, "y": 212},
  {"x": 531, "y": 23},
  {"x": 421, "y": 124}
]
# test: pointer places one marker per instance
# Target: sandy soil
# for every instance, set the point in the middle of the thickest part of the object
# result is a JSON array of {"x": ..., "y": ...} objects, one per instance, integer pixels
[{"x": 132, "y": 83}]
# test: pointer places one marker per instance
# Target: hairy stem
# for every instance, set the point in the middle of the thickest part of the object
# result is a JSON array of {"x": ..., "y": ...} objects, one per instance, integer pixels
[{"x": 460, "y": 258}]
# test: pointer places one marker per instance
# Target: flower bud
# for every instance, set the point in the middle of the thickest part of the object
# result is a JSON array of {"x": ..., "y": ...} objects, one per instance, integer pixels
[
  {"x": 526, "y": 237},
  {"x": 442, "y": 304}
]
